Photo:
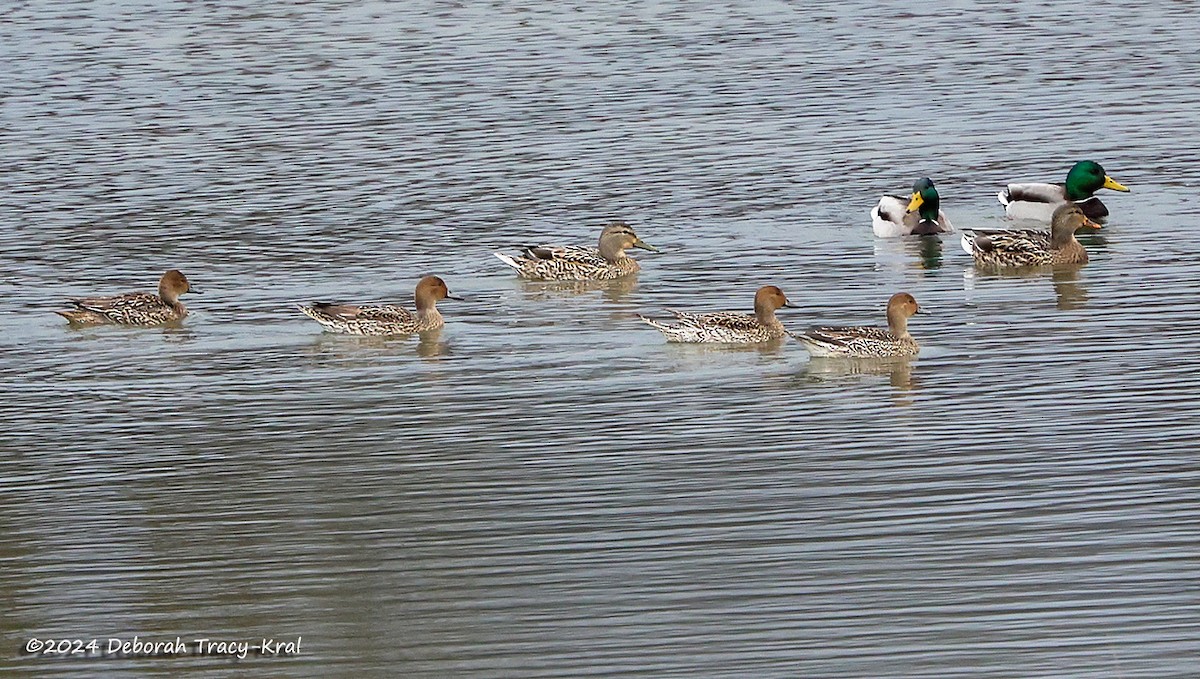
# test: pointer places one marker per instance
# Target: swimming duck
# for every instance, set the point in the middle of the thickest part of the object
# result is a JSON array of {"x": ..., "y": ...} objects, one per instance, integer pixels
[
  {"x": 918, "y": 215},
  {"x": 1015, "y": 248},
  {"x": 868, "y": 342},
  {"x": 730, "y": 328},
  {"x": 135, "y": 308},
  {"x": 579, "y": 263},
  {"x": 1038, "y": 200},
  {"x": 385, "y": 319}
]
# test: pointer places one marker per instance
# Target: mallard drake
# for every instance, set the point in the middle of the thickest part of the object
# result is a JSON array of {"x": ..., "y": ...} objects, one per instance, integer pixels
[
  {"x": 384, "y": 319},
  {"x": 135, "y": 308},
  {"x": 917, "y": 215},
  {"x": 580, "y": 263},
  {"x": 1038, "y": 200},
  {"x": 730, "y": 328},
  {"x": 868, "y": 342},
  {"x": 1016, "y": 248}
]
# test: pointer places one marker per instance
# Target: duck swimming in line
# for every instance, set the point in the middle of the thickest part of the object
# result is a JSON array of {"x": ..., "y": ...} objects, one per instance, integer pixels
[
  {"x": 579, "y": 263},
  {"x": 1018, "y": 248},
  {"x": 384, "y": 319},
  {"x": 134, "y": 308},
  {"x": 1038, "y": 200},
  {"x": 918, "y": 215},
  {"x": 868, "y": 342},
  {"x": 730, "y": 328}
]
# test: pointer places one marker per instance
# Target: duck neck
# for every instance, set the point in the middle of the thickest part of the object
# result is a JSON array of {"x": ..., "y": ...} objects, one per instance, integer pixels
[
  {"x": 426, "y": 306},
  {"x": 766, "y": 316},
  {"x": 897, "y": 323},
  {"x": 1061, "y": 237},
  {"x": 611, "y": 250},
  {"x": 429, "y": 317},
  {"x": 1079, "y": 186},
  {"x": 929, "y": 208},
  {"x": 168, "y": 295}
]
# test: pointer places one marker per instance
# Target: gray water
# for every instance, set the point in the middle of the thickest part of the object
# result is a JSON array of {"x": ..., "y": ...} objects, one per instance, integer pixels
[{"x": 546, "y": 488}]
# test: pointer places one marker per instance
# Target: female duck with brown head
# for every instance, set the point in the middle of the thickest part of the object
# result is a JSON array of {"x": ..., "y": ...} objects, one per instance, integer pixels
[
  {"x": 1023, "y": 248},
  {"x": 579, "y": 263},
  {"x": 135, "y": 308},
  {"x": 868, "y": 342},
  {"x": 730, "y": 328},
  {"x": 385, "y": 319}
]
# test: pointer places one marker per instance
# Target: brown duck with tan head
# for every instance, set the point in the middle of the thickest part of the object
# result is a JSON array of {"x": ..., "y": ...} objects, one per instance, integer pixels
[
  {"x": 730, "y": 328},
  {"x": 385, "y": 319},
  {"x": 868, "y": 342},
  {"x": 1024, "y": 248},
  {"x": 579, "y": 263},
  {"x": 135, "y": 308}
]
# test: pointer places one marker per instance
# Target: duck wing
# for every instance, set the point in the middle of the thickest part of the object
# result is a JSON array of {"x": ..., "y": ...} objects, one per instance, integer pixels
[
  {"x": 1032, "y": 192},
  {"x": 564, "y": 253},
  {"x": 386, "y": 313}
]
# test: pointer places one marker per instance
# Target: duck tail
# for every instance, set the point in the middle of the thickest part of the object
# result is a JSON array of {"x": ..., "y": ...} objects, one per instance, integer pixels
[
  {"x": 82, "y": 316},
  {"x": 656, "y": 324},
  {"x": 968, "y": 242},
  {"x": 311, "y": 312},
  {"x": 508, "y": 259},
  {"x": 1004, "y": 197}
]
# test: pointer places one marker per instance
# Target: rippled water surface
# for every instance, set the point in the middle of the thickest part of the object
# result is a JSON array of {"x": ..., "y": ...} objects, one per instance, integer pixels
[{"x": 546, "y": 488}]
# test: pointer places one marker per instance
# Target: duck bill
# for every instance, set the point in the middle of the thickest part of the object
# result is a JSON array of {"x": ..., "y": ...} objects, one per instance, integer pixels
[
  {"x": 455, "y": 298},
  {"x": 193, "y": 291},
  {"x": 639, "y": 243},
  {"x": 916, "y": 202},
  {"x": 1110, "y": 183},
  {"x": 1091, "y": 223}
]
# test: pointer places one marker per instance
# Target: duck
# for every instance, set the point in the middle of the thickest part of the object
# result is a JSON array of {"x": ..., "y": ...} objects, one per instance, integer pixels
[
  {"x": 918, "y": 215},
  {"x": 581, "y": 263},
  {"x": 1038, "y": 200},
  {"x": 1021, "y": 248},
  {"x": 868, "y": 342},
  {"x": 135, "y": 308},
  {"x": 385, "y": 319},
  {"x": 729, "y": 328}
]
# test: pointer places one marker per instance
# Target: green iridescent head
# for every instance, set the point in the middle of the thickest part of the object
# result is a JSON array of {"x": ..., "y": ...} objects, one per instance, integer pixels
[
  {"x": 1087, "y": 177},
  {"x": 924, "y": 199}
]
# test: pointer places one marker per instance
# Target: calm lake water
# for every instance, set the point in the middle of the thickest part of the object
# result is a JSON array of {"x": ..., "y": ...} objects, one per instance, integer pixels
[{"x": 546, "y": 488}]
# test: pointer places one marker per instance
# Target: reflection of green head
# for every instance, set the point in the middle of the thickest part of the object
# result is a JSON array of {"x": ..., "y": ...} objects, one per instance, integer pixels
[
  {"x": 924, "y": 199},
  {"x": 1087, "y": 177}
]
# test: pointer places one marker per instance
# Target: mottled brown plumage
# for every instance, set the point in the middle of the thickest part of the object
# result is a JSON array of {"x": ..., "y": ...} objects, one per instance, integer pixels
[
  {"x": 730, "y": 328},
  {"x": 578, "y": 263},
  {"x": 384, "y": 319},
  {"x": 134, "y": 308},
  {"x": 1023, "y": 248}
]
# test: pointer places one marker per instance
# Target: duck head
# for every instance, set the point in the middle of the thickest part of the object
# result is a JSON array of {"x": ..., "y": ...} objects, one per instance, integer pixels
[
  {"x": 768, "y": 299},
  {"x": 925, "y": 200},
  {"x": 173, "y": 284},
  {"x": 616, "y": 237},
  {"x": 430, "y": 290},
  {"x": 900, "y": 308},
  {"x": 1067, "y": 219},
  {"x": 1087, "y": 177}
]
